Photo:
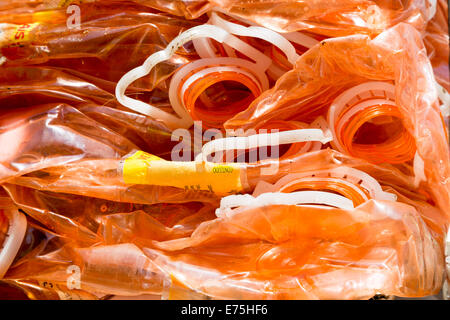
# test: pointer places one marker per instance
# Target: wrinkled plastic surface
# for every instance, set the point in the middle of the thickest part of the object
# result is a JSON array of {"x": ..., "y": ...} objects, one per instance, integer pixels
[
  {"x": 57, "y": 100},
  {"x": 263, "y": 253},
  {"x": 269, "y": 254},
  {"x": 109, "y": 33},
  {"x": 189, "y": 9},
  {"x": 436, "y": 41},
  {"x": 257, "y": 248},
  {"x": 338, "y": 18}
]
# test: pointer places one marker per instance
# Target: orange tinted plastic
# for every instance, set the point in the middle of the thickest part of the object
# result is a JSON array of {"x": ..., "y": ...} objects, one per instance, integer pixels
[
  {"x": 4, "y": 225},
  {"x": 132, "y": 240},
  {"x": 339, "y": 18},
  {"x": 397, "y": 149},
  {"x": 109, "y": 33},
  {"x": 295, "y": 148},
  {"x": 215, "y": 118},
  {"x": 342, "y": 18},
  {"x": 189, "y": 9},
  {"x": 308, "y": 248},
  {"x": 436, "y": 41},
  {"x": 337, "y": 64},
  {"x": 333, "y": 186}
]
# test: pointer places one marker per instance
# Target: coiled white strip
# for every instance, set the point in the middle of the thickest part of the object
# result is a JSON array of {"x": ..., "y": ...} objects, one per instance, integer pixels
[
  {"x": 262, "y": 140},
  {"x": 205, "y": 49},
  {"x": 243, "y": 65},
  {"x": 301, "y": 39},
  {"x": 376, "y": 91},
  {"x": 202, "y": 31},
  {"x": 444, "y": 96},
  {"x": 13, "y": 241},
  {"x": 279, "y": 198}
]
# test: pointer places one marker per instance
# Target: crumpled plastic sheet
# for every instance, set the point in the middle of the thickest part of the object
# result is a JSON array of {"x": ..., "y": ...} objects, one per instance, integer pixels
[
  {"x": 339, "y": 18},
  {"x": 250, "y": 252},
  {"x": 188, "y": 9},
  {"x": 343, "y": 18},
  {"x": 335, "y": 18},
  {"x": 436, "y": 41},
  {"x": 111, "y": 40},
  {"x": 132, "y": 240},
  {"x": 324, "y": 71},
  {"x": 260, "y": 253}
]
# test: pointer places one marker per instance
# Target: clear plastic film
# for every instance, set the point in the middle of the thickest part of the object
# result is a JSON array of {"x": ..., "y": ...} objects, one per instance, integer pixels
[
  {"x": 325, "y": 71},
  {"x": 436, "y": 41},
  {"x": 29, "y": 86},
  {"x": 104, "y": 179},
  {"x": 341, "y": 215},
  {"x": 270, "y": 255},
  {"x": 49, "y": 135},
  {"x": 109, "y": 33},
  {"x": 60, "y": 213},
  {"x": 68, "y": 254},
  {"x": 345, "y": 18},
  {"x": 339, "y": 18},
  {"x": 188, "y": 9}
]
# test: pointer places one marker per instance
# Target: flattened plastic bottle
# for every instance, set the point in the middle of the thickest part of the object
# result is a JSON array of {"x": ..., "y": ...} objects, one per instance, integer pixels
[{"x": 326, "y": 71}]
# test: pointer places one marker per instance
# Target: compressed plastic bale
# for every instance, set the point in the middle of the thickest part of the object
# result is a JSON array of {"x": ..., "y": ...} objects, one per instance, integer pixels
[
  {"x": 40, "y": 126},
  {"x": 31, "y": 86},
  {"x": 261, "y": 253},
  {"x": 120, "y": 269},
  {"x": 108, "y": 43},
  {"x": 147, "y": 134},
  {"x": 106, "y": 179},
  {"x": 101, "y": 179},
  {"x": 320, "y": 74},
  {"x": 59, "y": 239}
]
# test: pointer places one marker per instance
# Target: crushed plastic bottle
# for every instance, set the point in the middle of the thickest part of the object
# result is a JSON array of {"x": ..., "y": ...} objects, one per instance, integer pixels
[{"x": 328, "y": 177}]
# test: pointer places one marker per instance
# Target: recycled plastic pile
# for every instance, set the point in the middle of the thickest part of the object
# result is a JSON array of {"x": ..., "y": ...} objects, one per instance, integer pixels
[{"x": 227, "y": 149}]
